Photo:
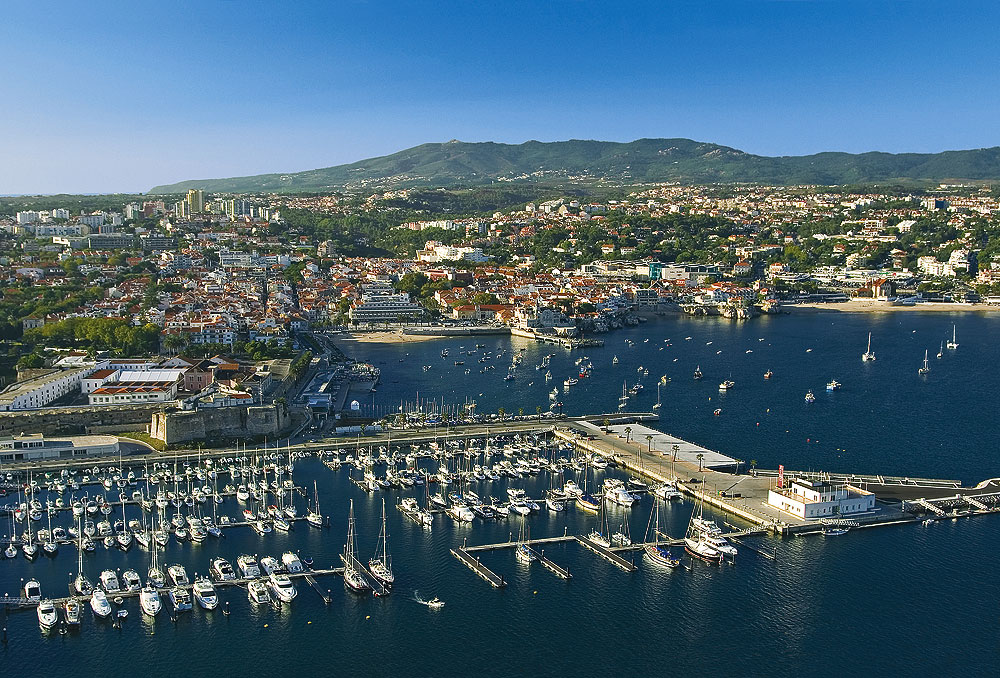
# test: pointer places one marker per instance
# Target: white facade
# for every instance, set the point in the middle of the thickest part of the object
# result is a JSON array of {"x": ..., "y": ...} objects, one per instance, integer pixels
[
  {"x": 31, "y": 394},
  {"x": 813, "y": 499}
]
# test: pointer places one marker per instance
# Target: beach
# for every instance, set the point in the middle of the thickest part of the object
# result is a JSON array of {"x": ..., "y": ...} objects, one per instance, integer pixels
[{"x": 383, "y": 337}]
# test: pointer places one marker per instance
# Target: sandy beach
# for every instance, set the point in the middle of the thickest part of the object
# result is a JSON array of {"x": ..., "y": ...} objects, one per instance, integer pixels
[
  {"x": 383, "y": 337},
  {"x": 869, "y": 306}
]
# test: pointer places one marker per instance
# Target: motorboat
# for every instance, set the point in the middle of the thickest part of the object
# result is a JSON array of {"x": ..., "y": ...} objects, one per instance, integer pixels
[
  {"x": 282, "y": 587},
  {"x": 222, "y": 570},
  {"x": 180, "y": 599},
  {"x": 48, "y": 615},
  {"x": 149, "y": 601},
  {"x": 205, "y": 593},
  {"x": 72, "y": 612},
  {"x": 178, "y": 575},
  {"x": 810, "y": 398},
  {"x": 555, "y": 504},
  {"x": 460, "y": 512},
  {"x": 109, "y": 581},
  {"x": 269, "y": 564},
  {"x": 292, "y": 562},
  {"x": 833, "y": 385},
  {"x": 82, "y": 585},
  {"x": 248, "y": 566},
  {"x": 131, "y": 580},
  {"x": 667, "y": 492},
  {"x": 99, "y": 604},
  {"x": 258, "y": 593},
  {"x": 726, "y": 385}
]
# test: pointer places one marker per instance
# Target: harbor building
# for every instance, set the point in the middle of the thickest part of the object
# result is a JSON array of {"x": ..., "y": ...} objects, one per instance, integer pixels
[
  {"x": 37, "y": 447},
  {"x": 813, "y": 499}
]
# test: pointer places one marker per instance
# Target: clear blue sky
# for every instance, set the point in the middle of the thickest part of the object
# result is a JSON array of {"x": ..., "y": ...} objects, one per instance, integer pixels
[{"x": 120, "y": 96}]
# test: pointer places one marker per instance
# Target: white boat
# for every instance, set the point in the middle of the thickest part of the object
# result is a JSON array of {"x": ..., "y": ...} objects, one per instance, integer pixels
[
  {"x": 380, "y": 564},
  {"x": 205, "y": 593},
  {"x": 109, "y": 581},
  {"x": 314, "y": 517},
  {"x": 282, "y": 587},
  {"x": 460, "y": 512},
  {"x": 810, "y": 398},
  {"x": 868, "y": 355},
  {"x": 292, "y": 562},
  {"x": 555, "y": 504},
  {"x": 269, "y": 564},
  {"x": 180, "y": 599},
  {"x": 99, "y": 603},
  {"x": 953, "y": 344},
  {"x": 73, "y": 612},
  {"x": 726, "y": 385},
  {"x": 149, "y": 601},
  {"x": 833, "y": 385},
  {"x": 178, "y": 575},
  {"x": 926, "y": 368},
  {"x": 353, "y": 578},
  {"x": 48, "y": 615},
  {"x": 131, "y": 580},
  {"x": 667, "y": 492},
  {"x": 248, "y": 566},
  {"x": 599, "y": 539},
  {"x": 222, "y": 570},
  {"x": 258, "y": 593}
]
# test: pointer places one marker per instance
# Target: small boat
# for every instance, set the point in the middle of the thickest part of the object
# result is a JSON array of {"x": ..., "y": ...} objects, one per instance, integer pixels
[
  {"x": 953, "y": 344},
  {"x": 768, "y": 374},
  {"x": 109, "y": 581},
  {"x": 435, "y": 603},
  {"x": 205, "y": 593},
  {"x": 614, "y": 361},
  {"x": 833, "y": 385},
  {"x": 810, "y": 398},
  {"x": 48, "y": 615},
  {"x": 834, "y": 531},
  {"x": 555, "y": 504},
  {"x": 599, "y": 539},
  {"x": 726, "y": 385},
  {"x": 131, "y": 580}
]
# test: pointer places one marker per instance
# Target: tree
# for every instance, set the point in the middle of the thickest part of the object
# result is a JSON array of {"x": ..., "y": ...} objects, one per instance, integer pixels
[
  {"x": 628, "y": 434},
  {"x": 31, "y": 361},
  {"x": 607, "y": 425},
  {"x": 501, "y": 411},
  {"x": 700, "y": 458}
]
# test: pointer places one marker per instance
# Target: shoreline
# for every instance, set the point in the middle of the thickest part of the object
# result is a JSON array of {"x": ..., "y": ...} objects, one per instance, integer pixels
[
  {"x": 867, "y": 306},
  {"x": 381, "y": 337}
]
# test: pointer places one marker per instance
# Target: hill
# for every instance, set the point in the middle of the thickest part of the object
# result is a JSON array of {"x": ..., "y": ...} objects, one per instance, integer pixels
[{"x": 644, "y": 160}]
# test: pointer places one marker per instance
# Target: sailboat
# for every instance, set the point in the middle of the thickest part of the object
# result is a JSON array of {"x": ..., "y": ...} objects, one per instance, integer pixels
[
  {"x": 696, "y": 540},
  {"x": 697, "y": 372},
  {"x": 653, "y": 550},
  {"x": 314, "y": 517},
  {"x": 524, "y": 554},
  {"x": 657, "y": 405},
  {"x": 81, "y": 584},
  {"x": 940, "y": 353},
  {"x": 953, "y": 344},
  {"x": 926, "y": 368},
  {"x": 353, "y": 578},
  {"x": 868, "y": 355},
  {"x": 380, "y": 565}
]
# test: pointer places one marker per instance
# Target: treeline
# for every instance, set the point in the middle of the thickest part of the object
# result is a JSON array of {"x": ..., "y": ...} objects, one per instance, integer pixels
[{"x": 97, "y": 334}]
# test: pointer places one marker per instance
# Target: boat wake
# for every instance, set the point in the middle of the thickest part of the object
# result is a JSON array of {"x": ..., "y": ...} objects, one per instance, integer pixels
[{"x": 433, "y": 603}]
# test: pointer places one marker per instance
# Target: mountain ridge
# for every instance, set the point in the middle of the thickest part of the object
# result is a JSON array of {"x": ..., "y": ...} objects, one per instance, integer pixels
[{"x": 579, "y": 160}]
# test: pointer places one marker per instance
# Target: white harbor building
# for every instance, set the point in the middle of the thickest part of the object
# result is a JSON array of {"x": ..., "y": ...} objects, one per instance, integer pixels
[{"x": 815, "y": 499}]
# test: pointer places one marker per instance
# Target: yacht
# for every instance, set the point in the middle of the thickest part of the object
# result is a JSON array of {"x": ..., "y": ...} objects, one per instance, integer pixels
[
  {"x": 833, "y": 385},
  {"x": 48, "y": 615},
  {"x": 82, "y": 585},
  {"x": 555, "y": 504},
  {"x": 180, "y": 599},
  {"x": 222, "y": 570},
  {"x": 940, "y": 353},
  {"x": 282, "y": 587},
  {"x": 257, "y": 592},
  {"x": 667, "y": 492},
  {"x": 131, "y": 580},
  {"x": 697, "y": 545},
  {"x": 810, "y": 398},
  {"x": 353, "y": 578},
  {"x": 156, "y": 577},
  {"x": 314, "y": 517},
  {"x": 248, "y": 566},
  {"x": 269, "y": 564},
  {"x": 73, "y": 612},
  {"x": 460, "y": 512},
  {"x": 291, "y": 562},
  {"x": 109, "y": 581},
  {"x": 525, "y": 555},
  {"x": 205, "y": 593},
  {"x": 380, "y": 565},
  {"x": 614, "y": 361},
  {"x": 588, "y": 502},
  {"x": 178, "y": 575},
  {"x": 661, "y": 556},
  {"x": 149, "y": 600},
  {"x": 599, "y": 539},
  {"x": 99, "y": 603}
]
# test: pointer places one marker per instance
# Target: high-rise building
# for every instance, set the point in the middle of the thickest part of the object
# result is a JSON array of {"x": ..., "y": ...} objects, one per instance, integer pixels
[{"x": 196, "y": 200}]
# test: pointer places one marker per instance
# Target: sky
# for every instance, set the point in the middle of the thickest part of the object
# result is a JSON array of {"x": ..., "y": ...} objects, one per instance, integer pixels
[{"x": 104, "y": 96}]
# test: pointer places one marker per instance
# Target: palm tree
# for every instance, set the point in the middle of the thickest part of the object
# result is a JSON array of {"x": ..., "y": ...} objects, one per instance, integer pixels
[
  {"x": 538, "y": 412},
  {"x": 607, "y": 424},
  {"x": 628, "y": 434},
  {"x": 753, "y": 465},
  {"x": 501, "y": 411},
  {"x": 700, "y": 458}
]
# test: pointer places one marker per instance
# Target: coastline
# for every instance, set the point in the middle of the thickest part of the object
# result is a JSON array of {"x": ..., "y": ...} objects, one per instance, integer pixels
[
  {"x": 382, "y": 337},
  {"x": 868, "y": 306}
]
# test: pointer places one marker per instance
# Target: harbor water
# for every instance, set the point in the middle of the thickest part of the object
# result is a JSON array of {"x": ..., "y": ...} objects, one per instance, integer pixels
[{"x": 906, "y": 600}]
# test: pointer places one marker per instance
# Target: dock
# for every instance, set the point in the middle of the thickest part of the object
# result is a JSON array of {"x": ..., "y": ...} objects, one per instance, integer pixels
[
  {"x": 311, "y": 580},
  {"x": 557, "y": 570},
  {"x": 607, "y": 554},
  {"x": 473, "y": 564},
  {"x": 512, "y": 544}
]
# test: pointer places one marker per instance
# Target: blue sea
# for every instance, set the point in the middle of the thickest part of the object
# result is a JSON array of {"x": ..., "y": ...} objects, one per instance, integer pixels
[{"x": 907, "y": 600}]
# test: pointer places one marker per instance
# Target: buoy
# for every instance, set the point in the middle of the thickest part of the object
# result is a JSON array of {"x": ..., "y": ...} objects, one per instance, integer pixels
[
  {"x": 265, "y": 626},
  {"x": 368, "y": 616},
  {"x": 534, "y": 593},
  {"x": 308, "y": 622}
]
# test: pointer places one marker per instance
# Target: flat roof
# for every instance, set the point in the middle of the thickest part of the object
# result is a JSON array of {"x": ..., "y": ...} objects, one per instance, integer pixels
[{"x": 20, "y": 388}]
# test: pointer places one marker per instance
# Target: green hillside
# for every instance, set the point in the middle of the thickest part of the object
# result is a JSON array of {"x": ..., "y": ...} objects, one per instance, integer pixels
[{"x": 643, "y": 160}]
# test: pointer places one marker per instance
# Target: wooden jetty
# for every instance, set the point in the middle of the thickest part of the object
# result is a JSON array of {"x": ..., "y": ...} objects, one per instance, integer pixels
[
  {"x": 607, "y": 554},
  {"x": 480, "y": 569}
]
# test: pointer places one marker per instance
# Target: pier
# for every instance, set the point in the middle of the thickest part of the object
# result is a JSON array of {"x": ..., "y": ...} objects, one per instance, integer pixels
[
  {"x": 560, "y": 572},
  {"x": 473, "y": 564},
  {"x": 607, "y": 554}
]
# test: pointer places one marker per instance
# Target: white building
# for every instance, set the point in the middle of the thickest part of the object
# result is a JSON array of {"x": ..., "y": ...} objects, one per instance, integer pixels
[
  {"x": 34, "y": 447},
  {"x": 814, "y": 499},
  {"x": 381, "y": 303},
  {"x": 138, "y": 386},
  {"x": 31, "y": 394}
]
